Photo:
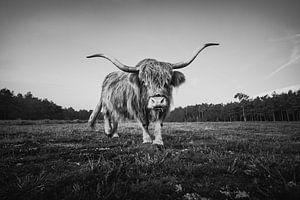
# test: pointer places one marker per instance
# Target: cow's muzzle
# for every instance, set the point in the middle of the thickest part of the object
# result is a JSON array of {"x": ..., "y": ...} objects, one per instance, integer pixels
[{"x": 157, "y": 102}]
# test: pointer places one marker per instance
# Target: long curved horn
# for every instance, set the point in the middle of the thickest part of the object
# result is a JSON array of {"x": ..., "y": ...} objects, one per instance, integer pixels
[
  {"x": 184, "y": 64},
  {"x": 121, "y": 66}
]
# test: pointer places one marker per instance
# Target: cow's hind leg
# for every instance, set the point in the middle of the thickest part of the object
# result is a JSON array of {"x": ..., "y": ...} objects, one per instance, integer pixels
[
  {"x": 94, "y": 115},
  {"x": 107, "y": 125},
  {"x": 110, "y": 126}
]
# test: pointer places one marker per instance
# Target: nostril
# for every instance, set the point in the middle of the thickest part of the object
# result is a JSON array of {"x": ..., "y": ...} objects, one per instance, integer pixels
[
  {"x": 162, "y": 100},
  {"x": 152, "y": 101}
]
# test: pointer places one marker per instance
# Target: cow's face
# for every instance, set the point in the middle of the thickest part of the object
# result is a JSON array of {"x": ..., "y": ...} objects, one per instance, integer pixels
[{"x": 156, "y": 80}]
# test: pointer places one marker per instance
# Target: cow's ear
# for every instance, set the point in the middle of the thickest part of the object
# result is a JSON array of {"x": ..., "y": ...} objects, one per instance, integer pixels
[
  {"x": 177, "y": 79},
  {"x": 134, "y": 79}
]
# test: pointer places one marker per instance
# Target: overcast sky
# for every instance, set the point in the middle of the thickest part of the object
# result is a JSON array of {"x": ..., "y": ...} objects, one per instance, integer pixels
[{"x": 43, "y": 45}]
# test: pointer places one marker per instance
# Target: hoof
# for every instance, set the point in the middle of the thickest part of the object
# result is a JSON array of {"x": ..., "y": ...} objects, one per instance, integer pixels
[
  {"x": 147, "y": 141},
  {"x": 90, "y": 128},
  {"x": 109, "y": 135},
  {"x": 146, "y": 144},
  {"x": 158, "y": 142},
  {"x": 112, "y": 135}
]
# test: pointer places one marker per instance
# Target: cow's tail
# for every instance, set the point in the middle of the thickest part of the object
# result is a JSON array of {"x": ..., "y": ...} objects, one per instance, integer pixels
[{"x": 94, "y": 115}]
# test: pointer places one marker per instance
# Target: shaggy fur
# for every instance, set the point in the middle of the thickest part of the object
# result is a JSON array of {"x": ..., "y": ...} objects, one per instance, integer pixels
[
  {"x": 126, "y": 95},
  {"x": 143, "y": 92}
]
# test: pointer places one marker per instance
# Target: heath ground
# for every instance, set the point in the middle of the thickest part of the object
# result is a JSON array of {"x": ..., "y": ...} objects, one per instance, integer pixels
[{"x": 206, "y": 160}]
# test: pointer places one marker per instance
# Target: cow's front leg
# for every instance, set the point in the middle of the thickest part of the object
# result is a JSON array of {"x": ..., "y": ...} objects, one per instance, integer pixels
[
  {"x": 146, "y": 136},
  {"x": 114, "y": 129},
  {"x": 157, "y": 133}
]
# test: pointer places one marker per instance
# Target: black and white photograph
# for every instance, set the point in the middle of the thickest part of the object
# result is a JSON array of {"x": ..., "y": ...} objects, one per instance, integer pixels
[{"x": 149, "y": 99}]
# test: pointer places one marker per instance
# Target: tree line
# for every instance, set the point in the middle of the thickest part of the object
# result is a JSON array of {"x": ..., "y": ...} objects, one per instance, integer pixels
[
  {"x": 277, "y": 107},
  {"x": 28, "y": 107}
]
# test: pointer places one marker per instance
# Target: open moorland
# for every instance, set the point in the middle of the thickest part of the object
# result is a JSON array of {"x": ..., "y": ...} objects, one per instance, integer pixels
[{"x": 56, "y": 160}]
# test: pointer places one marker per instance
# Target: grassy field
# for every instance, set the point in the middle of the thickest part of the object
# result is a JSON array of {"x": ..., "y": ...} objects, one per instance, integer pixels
[{"x": 54, "y": 160}]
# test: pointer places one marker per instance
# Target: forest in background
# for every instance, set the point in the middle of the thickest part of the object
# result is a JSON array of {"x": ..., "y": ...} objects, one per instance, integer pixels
[
  {"x": 277, "y": 107},
  {"x": 28, "y": 107}
]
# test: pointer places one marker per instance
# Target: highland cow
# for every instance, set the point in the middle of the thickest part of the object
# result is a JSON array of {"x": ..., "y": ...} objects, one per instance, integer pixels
[{"x": 143, "y": 92}]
